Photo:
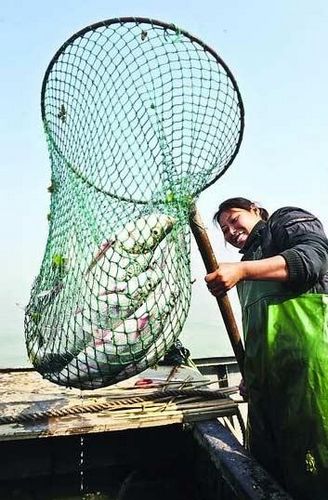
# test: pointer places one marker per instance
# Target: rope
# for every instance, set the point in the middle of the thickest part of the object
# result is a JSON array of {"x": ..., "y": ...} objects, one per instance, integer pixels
[{"x": 111, "y": 405}]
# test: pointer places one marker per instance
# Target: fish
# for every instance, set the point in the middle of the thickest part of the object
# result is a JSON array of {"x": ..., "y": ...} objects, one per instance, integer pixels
[
  {"x": 119, "y": 299},
  {"x": 122, "y": 298},
  {"x": 110, "y": 350},
  {"x": 56, "y": 335},
  {"x": 125, "y": 334},
  {"x": 121, "y": 267},
  {"x": 56, "y": 345},
  {"x": 131, "y": 317},
  {"x": 167, "y": 335},
  {"x": 61, "y": 343},
  {"x": 137, "y": 237},
  {"x": 157, "y": 350},
  {"x": 141, "y": 284},
  {"x": 102, "y": 351},
  {"x": 105, "y": 350},
  {"x": 44, "y": 354}
]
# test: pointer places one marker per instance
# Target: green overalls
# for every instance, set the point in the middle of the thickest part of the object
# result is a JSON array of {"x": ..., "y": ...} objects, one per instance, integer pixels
[{"x": 286, "y": 373}]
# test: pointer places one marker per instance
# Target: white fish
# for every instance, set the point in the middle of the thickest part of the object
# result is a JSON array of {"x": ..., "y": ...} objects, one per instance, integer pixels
[
  {"x": 110, "y": 350},
  {"x": 167, "y": 335},
  {"x": 99, "y": 355},
  {"x": 121, "y": 299},
  {"x": 55, "y": 346},
  {"x": 137, "y": 237},
  {"x": 122, "y": 267},
  {"x": 103, "y": 370},
  {"x": 118, "y": 300},
  {"x": 94, "y": 323},
  {"x": 144, "y": 234},
  {"x": 126, "y": 333},
  {"x": 157, "y": 350}
]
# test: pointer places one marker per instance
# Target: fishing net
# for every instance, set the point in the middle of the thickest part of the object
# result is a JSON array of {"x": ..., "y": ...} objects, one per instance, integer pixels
[{"x": 139, "y": 117}]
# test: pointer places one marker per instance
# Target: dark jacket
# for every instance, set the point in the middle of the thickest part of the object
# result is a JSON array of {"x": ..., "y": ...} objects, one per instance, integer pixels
[{"x": 299, "y": 237}]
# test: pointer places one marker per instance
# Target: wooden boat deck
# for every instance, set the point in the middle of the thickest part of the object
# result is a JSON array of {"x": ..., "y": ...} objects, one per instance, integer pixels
[
  {"x": 32, "y": 407},
  {"x": 204, "y": 456}
]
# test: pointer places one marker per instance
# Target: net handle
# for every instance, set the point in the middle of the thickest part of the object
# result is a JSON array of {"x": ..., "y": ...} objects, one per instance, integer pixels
[{"x": 211, "y": 264}]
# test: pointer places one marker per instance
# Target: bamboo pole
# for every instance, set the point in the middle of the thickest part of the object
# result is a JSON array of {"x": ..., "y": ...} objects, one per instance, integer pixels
[{"x": 211, "y": 265}]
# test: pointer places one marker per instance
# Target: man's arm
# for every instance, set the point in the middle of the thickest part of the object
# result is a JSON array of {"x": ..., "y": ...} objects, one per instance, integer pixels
[{"x": 229, "y": 274}]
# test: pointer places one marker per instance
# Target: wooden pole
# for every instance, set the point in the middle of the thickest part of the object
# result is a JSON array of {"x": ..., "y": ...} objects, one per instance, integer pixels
[{"x": 211, "y": 265}]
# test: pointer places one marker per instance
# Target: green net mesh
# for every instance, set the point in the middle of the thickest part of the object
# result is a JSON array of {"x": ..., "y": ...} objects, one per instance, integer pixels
[{"x": 140, "y": 117}]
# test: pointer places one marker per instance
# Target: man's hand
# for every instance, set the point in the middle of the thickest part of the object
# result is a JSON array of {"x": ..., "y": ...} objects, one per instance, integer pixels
[{"x": 226, "y": 276}]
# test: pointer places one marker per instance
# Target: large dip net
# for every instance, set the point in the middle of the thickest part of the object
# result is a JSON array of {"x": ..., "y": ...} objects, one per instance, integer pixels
[{"x": 140, "y": 117}]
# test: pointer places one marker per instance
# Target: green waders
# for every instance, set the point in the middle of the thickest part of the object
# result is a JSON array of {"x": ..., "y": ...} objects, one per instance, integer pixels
[{"x": 286, "y": 370}]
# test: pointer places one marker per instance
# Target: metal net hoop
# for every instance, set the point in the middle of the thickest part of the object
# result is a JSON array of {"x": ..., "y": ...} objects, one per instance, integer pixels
[{"x": 138, "y": 108}]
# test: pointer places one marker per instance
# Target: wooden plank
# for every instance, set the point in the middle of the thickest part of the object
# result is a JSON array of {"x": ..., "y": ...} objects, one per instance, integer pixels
[
  {"x": 24, "y": 394},
  {"x": 215, "y": 361},
  {"x": 100, "y": 423},
  {"x": 28, "y": 385}
]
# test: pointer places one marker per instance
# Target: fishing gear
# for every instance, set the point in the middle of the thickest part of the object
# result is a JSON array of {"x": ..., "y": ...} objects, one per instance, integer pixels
[{"x": 140, "y": 117}]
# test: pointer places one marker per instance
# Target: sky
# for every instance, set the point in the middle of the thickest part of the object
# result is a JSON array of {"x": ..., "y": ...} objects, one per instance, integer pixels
[{"x": 277, "y": 54}]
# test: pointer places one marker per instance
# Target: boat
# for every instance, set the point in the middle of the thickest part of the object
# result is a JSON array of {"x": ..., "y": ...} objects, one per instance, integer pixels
[{"x": 53, "y": 447}]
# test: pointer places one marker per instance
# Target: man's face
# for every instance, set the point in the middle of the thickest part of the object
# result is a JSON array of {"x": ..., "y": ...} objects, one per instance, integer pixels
[{"x": 237, "y": 224}]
